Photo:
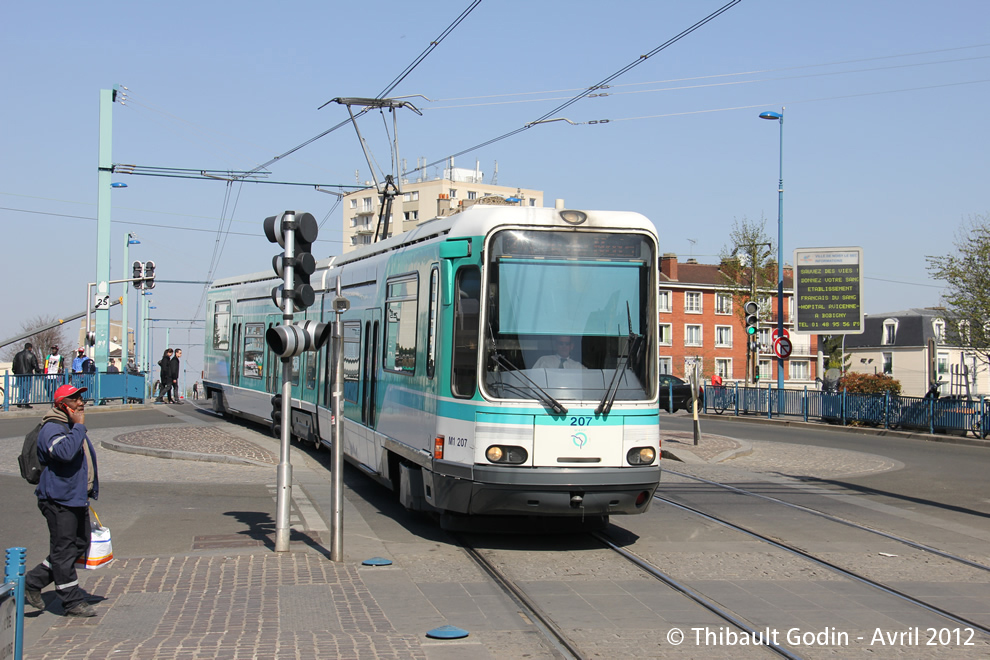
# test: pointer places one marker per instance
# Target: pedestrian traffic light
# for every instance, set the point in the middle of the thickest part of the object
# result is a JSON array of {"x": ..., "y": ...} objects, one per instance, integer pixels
[
  {"x": 291, "y": 340},
  {"x": 295, "y": 231},
  {"x": 149, "y": 275},
  {"x": 277, "y": 416},
  {"x": 752, "y": 317},
  {"x": 138, "y": 275}
]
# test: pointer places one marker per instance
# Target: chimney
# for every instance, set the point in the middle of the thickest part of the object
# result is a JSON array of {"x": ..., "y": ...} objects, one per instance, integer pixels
[{"x": 668, "y": 266}]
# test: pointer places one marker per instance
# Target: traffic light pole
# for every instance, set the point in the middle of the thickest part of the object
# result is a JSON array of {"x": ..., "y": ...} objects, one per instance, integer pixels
[
  {"x": 340, "y": 305},
  {"x": 284, "y": 483}
]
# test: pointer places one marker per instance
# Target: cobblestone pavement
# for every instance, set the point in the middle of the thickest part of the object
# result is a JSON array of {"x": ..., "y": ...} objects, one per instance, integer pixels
[{"x": 228, "y": 599}]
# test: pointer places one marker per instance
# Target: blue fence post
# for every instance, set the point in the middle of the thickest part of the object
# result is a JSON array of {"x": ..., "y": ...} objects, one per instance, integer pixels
[
  {"x": 6, "y": 391},
  {"x": 14, "y": 572},
  {"x": 842, "y": 407},
  {"x": 931, "y": 416},
  {"x": 737, "y": 398},
  {"x": 804, "y": 403}
]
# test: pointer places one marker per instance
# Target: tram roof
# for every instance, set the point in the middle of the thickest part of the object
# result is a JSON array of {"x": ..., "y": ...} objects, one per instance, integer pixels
[{"x": 478, "y": 220}]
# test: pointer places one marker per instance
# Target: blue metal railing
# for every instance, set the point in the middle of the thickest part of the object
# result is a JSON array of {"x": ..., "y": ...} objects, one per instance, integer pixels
[
  {"x": 12, "y": 598},
  {"x": 39, "y": 388},
  {"x": 951, "y": 414}
]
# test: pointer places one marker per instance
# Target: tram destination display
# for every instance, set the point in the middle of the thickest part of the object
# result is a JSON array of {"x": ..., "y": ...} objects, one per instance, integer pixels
[{"x": 828, "y": 289}]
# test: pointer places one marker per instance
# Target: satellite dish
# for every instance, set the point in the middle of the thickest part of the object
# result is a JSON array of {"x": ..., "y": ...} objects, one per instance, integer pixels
[{"x": 114, "y": 339}]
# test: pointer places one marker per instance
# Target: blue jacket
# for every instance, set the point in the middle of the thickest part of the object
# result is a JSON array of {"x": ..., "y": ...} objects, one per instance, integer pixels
[{"x": 60, "y": 450}]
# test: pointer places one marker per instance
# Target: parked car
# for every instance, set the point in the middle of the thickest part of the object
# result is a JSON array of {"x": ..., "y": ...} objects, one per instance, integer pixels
[{"x": 681, "y": 394}]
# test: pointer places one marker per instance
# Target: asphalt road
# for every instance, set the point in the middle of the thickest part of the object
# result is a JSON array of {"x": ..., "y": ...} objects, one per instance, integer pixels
[{"x": 939, "y": 478}]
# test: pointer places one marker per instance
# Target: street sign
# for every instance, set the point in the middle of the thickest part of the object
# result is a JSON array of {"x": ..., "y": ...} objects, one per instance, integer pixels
[
  {"x": 102, "y": 301},
  {"x": 828, "y": 290},
  {"x": 773, "y": 335},
  {"x": 782, "y": 347}
]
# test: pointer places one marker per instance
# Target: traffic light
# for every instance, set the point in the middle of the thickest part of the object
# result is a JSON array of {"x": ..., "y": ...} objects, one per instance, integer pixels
[
  {"x": 752, "y": 317},
  {"x": 138, "y": 275},
  {"x": 297, "y": 258},
  {"x": 277, "y": 416},
  {"x": 149, "y": 275},
  {"x": 291, "y": 340}
]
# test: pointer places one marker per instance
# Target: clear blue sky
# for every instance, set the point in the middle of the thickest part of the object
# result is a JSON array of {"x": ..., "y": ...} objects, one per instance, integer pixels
[{"x": 885, "y": 137}]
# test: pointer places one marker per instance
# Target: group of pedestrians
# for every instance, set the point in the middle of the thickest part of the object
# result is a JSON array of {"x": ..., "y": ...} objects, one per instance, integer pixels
[{"x": 169, "y": 364}]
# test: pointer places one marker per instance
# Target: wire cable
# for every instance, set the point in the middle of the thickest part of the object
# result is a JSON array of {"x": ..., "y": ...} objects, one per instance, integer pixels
[
  {"x": 642, "y": 58},
  {"x": 429, "y": 49}
]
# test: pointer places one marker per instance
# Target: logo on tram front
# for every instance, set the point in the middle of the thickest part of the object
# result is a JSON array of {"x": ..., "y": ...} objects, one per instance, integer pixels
[{"x": 580, "y": 440}]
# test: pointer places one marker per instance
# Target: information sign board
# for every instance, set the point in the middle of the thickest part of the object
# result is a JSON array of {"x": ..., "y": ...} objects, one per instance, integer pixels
[{"x": 828, "y": 290}]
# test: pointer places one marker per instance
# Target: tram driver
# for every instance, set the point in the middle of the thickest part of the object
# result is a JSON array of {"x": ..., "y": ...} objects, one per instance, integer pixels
[{"x": 561, "y": 358}]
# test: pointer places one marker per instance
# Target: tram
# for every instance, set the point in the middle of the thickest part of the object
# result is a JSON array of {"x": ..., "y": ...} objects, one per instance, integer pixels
[{"x": 501, "y": 361}]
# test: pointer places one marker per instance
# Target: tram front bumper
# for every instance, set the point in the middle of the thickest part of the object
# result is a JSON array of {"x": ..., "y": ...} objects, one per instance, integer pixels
[{"x": 545, "y": 491}]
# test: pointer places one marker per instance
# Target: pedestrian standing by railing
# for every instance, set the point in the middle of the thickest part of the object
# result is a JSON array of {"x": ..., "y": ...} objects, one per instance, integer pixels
[
  {"x": 53, "y": 367},
  {"x": 25, "y": 366}
]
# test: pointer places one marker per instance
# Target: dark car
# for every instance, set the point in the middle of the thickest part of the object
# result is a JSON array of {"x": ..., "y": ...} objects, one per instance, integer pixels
[{"x": 681, "y": 394}]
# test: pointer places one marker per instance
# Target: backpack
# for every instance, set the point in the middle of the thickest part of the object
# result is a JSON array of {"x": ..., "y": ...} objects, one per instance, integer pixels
[{"x": 28, "y": 460}]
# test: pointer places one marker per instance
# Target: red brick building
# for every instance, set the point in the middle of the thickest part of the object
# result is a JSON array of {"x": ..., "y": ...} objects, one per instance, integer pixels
[{"x": 701, "y": 319}]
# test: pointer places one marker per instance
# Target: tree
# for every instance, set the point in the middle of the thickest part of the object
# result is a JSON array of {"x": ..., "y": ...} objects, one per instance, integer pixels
[
  {"x": 749, "y": 270},
  {"x": 42, "y": 341},
  {"x": 967, "y": 293}
]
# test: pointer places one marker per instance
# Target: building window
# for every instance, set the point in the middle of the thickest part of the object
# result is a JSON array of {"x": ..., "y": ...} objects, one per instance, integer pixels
[
  {"x": 723, "y": 303},
  {"x": 354, "y": 203},
  {"x": 800, "y": 369},
  {"x": 366, "y": 204},
  {"x": 764, "y": 339},
  {"x": 888, "y": 363},
  {"x": 453, "y": 193},
  {"x": 690, "y": 362},
  {"x": 665, "y": 365},
  {"x": 723, "y": 336},
  {"x": 942, "y": 364},
  {"x": 472, "y": 194},
  {"x": 889, "y": 332},
  {"x": 692, "y": 335},
  {"x": 938, "y": 327},
  {"x": 723, "y": 367},
  {"x": 663, "y": 301},
  {"x": 666, "y": 334},
  {"x": 764, "y": 369},
  {"x": 411, "y": 215},
  {"x": 692, "y": 302},
  {"x": 354, "y": 221}
]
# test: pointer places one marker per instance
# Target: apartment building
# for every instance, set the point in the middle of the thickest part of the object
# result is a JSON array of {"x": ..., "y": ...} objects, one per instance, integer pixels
[
  {"x": 423, "y": 199},
  {"x": 701, "y": 321}
]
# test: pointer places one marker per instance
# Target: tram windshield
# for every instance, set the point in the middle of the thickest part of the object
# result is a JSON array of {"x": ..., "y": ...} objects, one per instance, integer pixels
[{"x": 570, "y": 316}]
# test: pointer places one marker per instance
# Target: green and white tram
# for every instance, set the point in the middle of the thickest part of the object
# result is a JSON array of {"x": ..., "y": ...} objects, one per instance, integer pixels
[{"x": 500, "y": 361}]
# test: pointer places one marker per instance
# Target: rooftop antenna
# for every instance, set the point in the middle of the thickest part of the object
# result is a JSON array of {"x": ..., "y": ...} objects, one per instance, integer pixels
[{"x": 692, "y": 241}]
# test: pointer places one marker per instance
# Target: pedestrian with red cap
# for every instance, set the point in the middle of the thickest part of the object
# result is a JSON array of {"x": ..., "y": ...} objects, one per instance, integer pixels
[{"x": 69, "y": 478}]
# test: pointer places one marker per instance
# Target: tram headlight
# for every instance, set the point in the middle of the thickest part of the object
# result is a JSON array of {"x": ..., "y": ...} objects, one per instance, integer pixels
[
  {"x": 506, "y": 454},
  {"x": 641, "y": 456}
]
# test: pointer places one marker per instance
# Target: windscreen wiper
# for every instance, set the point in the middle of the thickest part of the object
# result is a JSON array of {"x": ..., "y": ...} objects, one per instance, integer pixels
[
  {"x": 605, "y": 405},
  {"x": 541, "y": 393}
]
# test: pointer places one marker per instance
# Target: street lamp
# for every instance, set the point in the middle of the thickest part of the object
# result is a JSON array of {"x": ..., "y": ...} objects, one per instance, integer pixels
[{"x": 779, "y": 117}]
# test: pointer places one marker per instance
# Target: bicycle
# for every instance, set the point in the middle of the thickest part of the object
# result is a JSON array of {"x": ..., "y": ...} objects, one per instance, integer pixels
[{"x": 723, "y": 398}]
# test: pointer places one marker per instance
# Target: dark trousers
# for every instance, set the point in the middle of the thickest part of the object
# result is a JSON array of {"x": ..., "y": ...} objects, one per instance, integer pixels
[
  {"x": 167, "y": 392},
  {"x": 69, "y": 534}
]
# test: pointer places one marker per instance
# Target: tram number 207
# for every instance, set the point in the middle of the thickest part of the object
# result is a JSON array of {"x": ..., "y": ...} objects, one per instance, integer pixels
[
  {"x": 581, "y": 421},
  {"x": 457, "y": 442}
]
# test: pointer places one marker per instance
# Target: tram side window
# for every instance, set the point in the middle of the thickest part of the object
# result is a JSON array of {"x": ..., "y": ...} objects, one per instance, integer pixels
[
  {"x": 431, "y": 337},
  {"x": 400, "y": 329},
  {"x": 467, "y": 304},
  {"x": 221, "y": 326},
  {"x": 352, "y": 360},
  {"x": 254, "y": 350}
]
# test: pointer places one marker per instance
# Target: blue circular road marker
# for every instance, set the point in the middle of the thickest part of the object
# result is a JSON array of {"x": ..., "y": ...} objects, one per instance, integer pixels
[
  {"x": 377, "y": 561},
  {"x": 448, "y": 632}
]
